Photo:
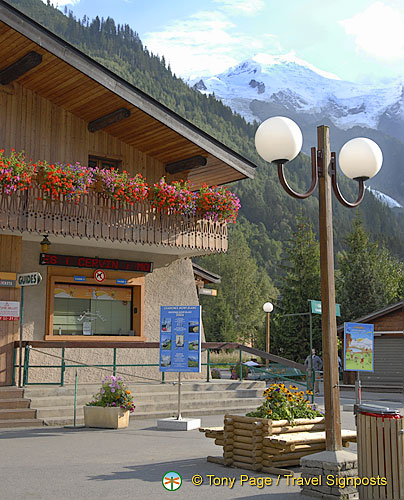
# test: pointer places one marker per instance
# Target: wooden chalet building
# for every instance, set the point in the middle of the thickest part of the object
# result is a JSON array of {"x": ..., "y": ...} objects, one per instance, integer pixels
[
  {"x": 59, "y": 105},
  {"x": 388, "y": 349}
]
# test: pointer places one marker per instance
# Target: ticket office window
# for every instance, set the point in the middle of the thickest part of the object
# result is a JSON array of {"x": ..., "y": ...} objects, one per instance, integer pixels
[{"x": 94, "y": 310}]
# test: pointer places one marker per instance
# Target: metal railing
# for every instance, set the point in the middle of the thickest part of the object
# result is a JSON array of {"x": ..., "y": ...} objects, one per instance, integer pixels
[{"x": 271, "y": 373}]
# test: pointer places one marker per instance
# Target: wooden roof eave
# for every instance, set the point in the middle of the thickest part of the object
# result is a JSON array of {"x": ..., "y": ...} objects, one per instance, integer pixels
[
  {"x": 376, "y": 314},
  {"x": 91, "y": 68}
]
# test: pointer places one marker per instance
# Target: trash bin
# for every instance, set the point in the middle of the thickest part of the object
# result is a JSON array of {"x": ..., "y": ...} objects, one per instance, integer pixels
[{"x": 380, "y": 452}]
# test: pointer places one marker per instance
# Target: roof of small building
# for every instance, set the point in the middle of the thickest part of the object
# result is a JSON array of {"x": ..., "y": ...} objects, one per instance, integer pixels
[
  {"x": 69, "y": 78},
  {"x": 206, "y": 275},
  {"x": 376, "y": 314}
]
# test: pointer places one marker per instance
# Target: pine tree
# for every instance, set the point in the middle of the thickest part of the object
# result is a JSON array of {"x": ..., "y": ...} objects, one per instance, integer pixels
[
  {"x": 236, "y": 313},
  {"x": 369, "y": 277},
  {"x": 299, "y": 284}
]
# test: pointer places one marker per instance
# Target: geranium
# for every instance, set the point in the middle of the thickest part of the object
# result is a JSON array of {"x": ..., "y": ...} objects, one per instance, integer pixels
[
  {"x": 15, "y": 172},
  {"x": 120, "y": 186},
  {"x": 285, "y": 403},
  {"x": 71, "y": 181},
  {"x": 174, "y": 198},
  {"x": 113, "y": 393},
  {"x": 218, "y": 203}
]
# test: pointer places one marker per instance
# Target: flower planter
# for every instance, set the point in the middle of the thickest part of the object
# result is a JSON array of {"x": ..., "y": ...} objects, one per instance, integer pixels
[{"x": 106, "y": 417}]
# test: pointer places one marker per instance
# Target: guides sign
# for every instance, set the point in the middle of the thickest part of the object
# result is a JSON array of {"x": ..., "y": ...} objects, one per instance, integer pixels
[
  {"x": 180, "y": 339},
  {"x": 358, "y": 347}
]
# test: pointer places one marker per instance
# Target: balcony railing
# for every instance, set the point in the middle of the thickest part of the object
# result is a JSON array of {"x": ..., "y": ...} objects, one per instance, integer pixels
[{"x": 95, "y": 216}]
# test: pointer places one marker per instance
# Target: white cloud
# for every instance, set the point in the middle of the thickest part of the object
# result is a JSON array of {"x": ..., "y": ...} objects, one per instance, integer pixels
[
  {"x": 378, "y": 31},
  {"x": 206, "y": 43},
  {"x": 250, "y": 7}
]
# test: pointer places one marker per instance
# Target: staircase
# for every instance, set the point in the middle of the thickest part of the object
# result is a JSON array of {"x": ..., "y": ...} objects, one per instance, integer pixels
[
  {"x": 15, "y": 409},
  {"x": 55, "y": 405}
]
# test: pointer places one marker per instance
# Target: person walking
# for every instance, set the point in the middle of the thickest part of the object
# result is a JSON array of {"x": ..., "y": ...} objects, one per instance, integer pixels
[{"x": 316, "y": 366}]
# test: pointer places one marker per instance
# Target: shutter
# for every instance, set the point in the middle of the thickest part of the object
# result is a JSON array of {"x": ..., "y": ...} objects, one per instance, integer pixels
[{"x": 388, "y": 362}]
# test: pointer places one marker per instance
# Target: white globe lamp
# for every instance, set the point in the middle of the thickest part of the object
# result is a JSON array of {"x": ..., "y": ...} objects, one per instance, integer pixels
[
  {"x": 278, "y": 139},
  {"x": 360, "y": 158},
  {"x": 268, "y": 307}
]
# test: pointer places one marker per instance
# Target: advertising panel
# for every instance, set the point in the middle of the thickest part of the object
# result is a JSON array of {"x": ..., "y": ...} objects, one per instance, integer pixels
[
  {"x": 358, "y": 347},
  {"x": 180, "y": 339}
]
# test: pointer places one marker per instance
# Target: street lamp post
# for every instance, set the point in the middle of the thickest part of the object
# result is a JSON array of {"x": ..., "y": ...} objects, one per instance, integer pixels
[
  {"x": 268, "y": 308},
  {"x": 279, "y": 140}
]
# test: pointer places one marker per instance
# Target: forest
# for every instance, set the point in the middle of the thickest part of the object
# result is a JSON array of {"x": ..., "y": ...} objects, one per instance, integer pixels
[{"x": 262, "y": 261}]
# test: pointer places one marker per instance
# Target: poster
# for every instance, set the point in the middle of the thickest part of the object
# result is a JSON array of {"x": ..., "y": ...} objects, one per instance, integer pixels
[
  {"x": 180, "y": 339},
  {"x": 358, "y": 347},
  {"x": 9, "y": 310}
]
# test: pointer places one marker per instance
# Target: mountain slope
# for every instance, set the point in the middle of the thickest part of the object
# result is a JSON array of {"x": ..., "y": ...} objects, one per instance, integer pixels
[{"x": 268, "y": 213}]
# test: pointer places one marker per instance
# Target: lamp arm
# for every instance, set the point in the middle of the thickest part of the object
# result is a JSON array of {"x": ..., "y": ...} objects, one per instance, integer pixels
[
  {"x": 337, "y": 191},
  {"x": 314, "y": 178}
]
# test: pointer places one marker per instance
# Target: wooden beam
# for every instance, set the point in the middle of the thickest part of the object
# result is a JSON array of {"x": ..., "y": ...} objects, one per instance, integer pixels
[
  {"x": 107, "y": 120},
  {"x": 187, "y": 164},
  {"x": 20, "y": 67}
]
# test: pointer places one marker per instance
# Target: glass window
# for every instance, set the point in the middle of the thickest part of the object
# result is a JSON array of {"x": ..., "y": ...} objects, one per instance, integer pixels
[
  {"x": 97, "y": 161},
  {"x": 92, "y": 310}
]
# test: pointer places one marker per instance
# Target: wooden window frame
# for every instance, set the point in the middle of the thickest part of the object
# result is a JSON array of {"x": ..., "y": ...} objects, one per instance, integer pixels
[
  {"x": 66, "y": 275},
  {"x": 116, "y": 162}
]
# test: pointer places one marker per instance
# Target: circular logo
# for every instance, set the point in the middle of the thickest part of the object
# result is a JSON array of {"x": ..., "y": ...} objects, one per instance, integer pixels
[
  {"x": 99, "y": 275},
  {"x": 171, "y": 481}
]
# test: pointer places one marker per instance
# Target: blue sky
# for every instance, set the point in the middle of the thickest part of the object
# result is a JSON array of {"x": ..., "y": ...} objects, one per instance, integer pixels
[{"x": 358, "y": 40}]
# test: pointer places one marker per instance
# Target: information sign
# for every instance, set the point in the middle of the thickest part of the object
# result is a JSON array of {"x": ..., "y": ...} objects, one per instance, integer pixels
[
  {"x": 358, "y": 347},
  {"x": 9, "y": 310},
  {"x": 8, "y": 279},
  {"x": 29, "y": 279},
  {"x": 180, "y": 339},
  {"x": 316, "y": 307}
]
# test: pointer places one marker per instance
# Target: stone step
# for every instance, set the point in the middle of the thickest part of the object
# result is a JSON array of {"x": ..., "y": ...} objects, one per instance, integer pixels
[
  {"x": 21, "y": 422},
  {"x": 40, "y": 402},
  {"x": 17, "y": 414},
  {"x": 90, "y": 389},
  {"x": 14, "y": 403},
  {"x": 11, "y": 392},
  {"x": 151, "y": 408}
]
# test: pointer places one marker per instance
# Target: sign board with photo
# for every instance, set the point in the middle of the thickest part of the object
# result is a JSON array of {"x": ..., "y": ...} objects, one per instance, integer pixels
[
  {"x": 180, "y": 339},
  {"x": 358, "y": 347}
]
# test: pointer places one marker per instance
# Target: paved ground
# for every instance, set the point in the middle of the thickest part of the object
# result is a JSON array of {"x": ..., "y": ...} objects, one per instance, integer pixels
[{"x": 85, "y": 464}]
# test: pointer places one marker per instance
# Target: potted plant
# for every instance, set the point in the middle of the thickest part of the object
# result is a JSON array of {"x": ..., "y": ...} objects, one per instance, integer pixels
[
  {"x": 285, "y": 403},
  {"x": 111, "y": 406}
]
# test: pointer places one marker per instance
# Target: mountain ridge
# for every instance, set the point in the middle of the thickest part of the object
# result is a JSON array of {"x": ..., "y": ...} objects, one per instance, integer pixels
[{"x": 258, "y": 91}]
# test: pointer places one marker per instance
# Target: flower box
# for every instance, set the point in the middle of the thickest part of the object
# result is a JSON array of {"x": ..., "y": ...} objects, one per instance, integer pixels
[{"x": 106, "y": 417}]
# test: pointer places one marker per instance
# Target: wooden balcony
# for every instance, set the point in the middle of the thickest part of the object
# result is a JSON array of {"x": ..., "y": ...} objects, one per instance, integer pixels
[{"x": 97, "y": 217}]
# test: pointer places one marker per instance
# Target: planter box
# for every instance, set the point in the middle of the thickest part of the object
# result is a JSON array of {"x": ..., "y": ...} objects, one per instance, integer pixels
[{"x": 106, "y": 418}]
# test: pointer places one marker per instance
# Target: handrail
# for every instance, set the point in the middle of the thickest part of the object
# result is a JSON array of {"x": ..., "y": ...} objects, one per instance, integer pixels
[
  {"x": 272, "y": 357},
  {"x": 110, "y": 344}
]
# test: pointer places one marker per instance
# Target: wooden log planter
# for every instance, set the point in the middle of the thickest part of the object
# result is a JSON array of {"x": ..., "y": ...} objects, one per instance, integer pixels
[{"x": 269, "y": 446}]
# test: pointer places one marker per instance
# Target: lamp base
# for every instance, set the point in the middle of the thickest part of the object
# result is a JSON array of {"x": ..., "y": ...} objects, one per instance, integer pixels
[
  {"x": 329, "y": 473},
  {"x": 184, "y": 424}
]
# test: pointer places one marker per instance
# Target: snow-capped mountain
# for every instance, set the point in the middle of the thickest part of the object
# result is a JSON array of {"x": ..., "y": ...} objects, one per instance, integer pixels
[
  {"x": 267, "y": 86},
  {"x": 385, "y": 199},
  {"x": 296, "y": 85}
]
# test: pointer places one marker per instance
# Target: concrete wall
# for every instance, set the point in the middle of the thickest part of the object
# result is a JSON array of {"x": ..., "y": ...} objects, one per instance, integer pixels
[{"x": 170, "y": 283}]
